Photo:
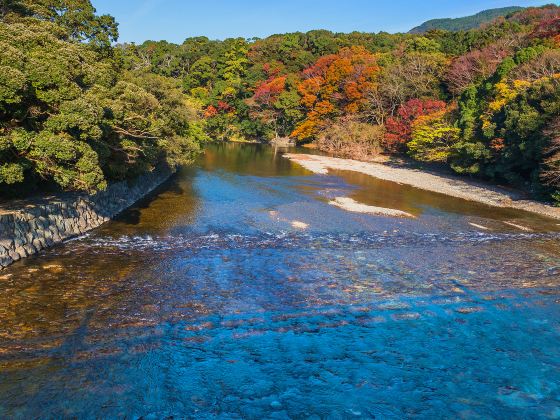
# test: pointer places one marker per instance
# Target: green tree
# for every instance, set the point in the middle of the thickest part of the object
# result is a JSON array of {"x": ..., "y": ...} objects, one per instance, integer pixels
[
  {"x": 70, "y": 115},
  {"x": 77, "y": 17},
  {"x": 433, "y": 138}
]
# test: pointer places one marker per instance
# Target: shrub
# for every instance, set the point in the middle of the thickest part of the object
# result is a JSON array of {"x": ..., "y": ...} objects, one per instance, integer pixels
[
  {"x": 433, "y": 138},
  {"x": 353, "y": 139}
]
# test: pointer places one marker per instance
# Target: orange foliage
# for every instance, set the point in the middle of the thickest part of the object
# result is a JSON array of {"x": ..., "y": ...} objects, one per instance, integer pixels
[
  {"x": 210, "y": 111},
  {"x": 267, "y": 92},
  {"x": 324, "y": 108},
  {"x": 221, "y": 108},
  {"x": 497, "y": 144},
  {"x": 336, "y": 84}
]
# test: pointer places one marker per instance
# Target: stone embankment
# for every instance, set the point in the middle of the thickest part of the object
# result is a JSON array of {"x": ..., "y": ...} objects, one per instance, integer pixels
[{"x": 27, "y": 227}]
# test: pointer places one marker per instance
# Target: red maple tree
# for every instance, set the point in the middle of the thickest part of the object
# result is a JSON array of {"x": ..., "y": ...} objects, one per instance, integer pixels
[{"x": 399, "y": 127}]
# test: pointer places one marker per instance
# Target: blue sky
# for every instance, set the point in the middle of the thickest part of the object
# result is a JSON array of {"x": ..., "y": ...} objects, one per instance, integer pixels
[{"x": 175, "y": 20}]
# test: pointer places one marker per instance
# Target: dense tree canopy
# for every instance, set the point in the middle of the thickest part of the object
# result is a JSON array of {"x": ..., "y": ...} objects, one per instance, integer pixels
[
  {"x": 70, "y": 113},
  {"x": 79, "y": 112},
  {"x": 77, "y": 18}
]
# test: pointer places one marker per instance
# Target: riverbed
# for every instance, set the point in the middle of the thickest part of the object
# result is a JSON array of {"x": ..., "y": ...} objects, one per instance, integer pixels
[{"x": 238, "y": 290}]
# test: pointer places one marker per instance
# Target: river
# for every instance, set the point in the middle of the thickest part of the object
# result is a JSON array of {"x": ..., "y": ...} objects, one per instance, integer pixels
[{"x": 237, "y": 291}]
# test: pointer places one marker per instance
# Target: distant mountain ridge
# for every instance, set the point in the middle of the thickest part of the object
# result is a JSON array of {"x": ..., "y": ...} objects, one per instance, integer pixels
[{"x": 465, "y": 23}]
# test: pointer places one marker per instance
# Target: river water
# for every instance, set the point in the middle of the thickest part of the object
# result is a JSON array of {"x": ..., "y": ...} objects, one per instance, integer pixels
[{"x": 237, "y": 291}]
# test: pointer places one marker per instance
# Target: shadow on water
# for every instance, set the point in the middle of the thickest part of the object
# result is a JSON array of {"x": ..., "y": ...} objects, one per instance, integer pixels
[
  {"x": 132, "y": 215},
  {"x": 174, "y": 202},
  {"x": 208, "y": 300}
]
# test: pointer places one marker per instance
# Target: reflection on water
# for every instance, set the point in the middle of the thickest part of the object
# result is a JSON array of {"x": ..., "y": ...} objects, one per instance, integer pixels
[
  {"x": 377, "y": 192},
  {"x": 207, "y": 300}
]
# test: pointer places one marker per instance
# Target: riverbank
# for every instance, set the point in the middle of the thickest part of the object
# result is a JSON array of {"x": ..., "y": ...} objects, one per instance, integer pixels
[
  {"x": 29, "y": 226},
  {"x": 453, "y": 186}
]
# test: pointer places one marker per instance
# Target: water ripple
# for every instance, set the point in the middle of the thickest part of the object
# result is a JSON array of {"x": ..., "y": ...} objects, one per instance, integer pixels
[{"x": 291, "y": 240}]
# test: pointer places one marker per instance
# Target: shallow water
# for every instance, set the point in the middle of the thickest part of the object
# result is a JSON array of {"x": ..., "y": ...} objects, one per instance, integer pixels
[{"x": 237, "y": 291}]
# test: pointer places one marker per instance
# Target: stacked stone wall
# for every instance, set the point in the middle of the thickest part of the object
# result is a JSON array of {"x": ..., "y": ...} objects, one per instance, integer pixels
[{"x": 27, "y": 227}]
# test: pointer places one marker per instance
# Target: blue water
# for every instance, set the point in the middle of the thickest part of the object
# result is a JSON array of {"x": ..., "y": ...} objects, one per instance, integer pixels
[{"x": 206, "y": 301}]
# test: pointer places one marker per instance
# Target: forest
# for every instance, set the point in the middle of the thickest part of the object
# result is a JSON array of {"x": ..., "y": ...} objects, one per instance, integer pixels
[
  {"x": 467, "y": 22},
  {"x": 78, "y": 111},
  {"x": 72, "y": 116}
]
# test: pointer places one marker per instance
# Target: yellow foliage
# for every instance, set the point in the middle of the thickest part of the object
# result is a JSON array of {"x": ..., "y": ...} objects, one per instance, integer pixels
[
  {"x": 521, "y": 84},
  {"x": 433, "y": 137},
  {"x": 229, "y": 92},
  {"x": 505, "y": 93}
]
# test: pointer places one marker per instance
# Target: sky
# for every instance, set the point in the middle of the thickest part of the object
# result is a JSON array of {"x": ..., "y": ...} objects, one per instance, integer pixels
[{"x": 175, "y": 20}]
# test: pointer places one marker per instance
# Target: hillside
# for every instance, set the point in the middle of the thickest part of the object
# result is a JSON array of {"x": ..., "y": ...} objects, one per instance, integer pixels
[
  {"x": 483, "y": 103},
  {"x": 464, "y": 23}
]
